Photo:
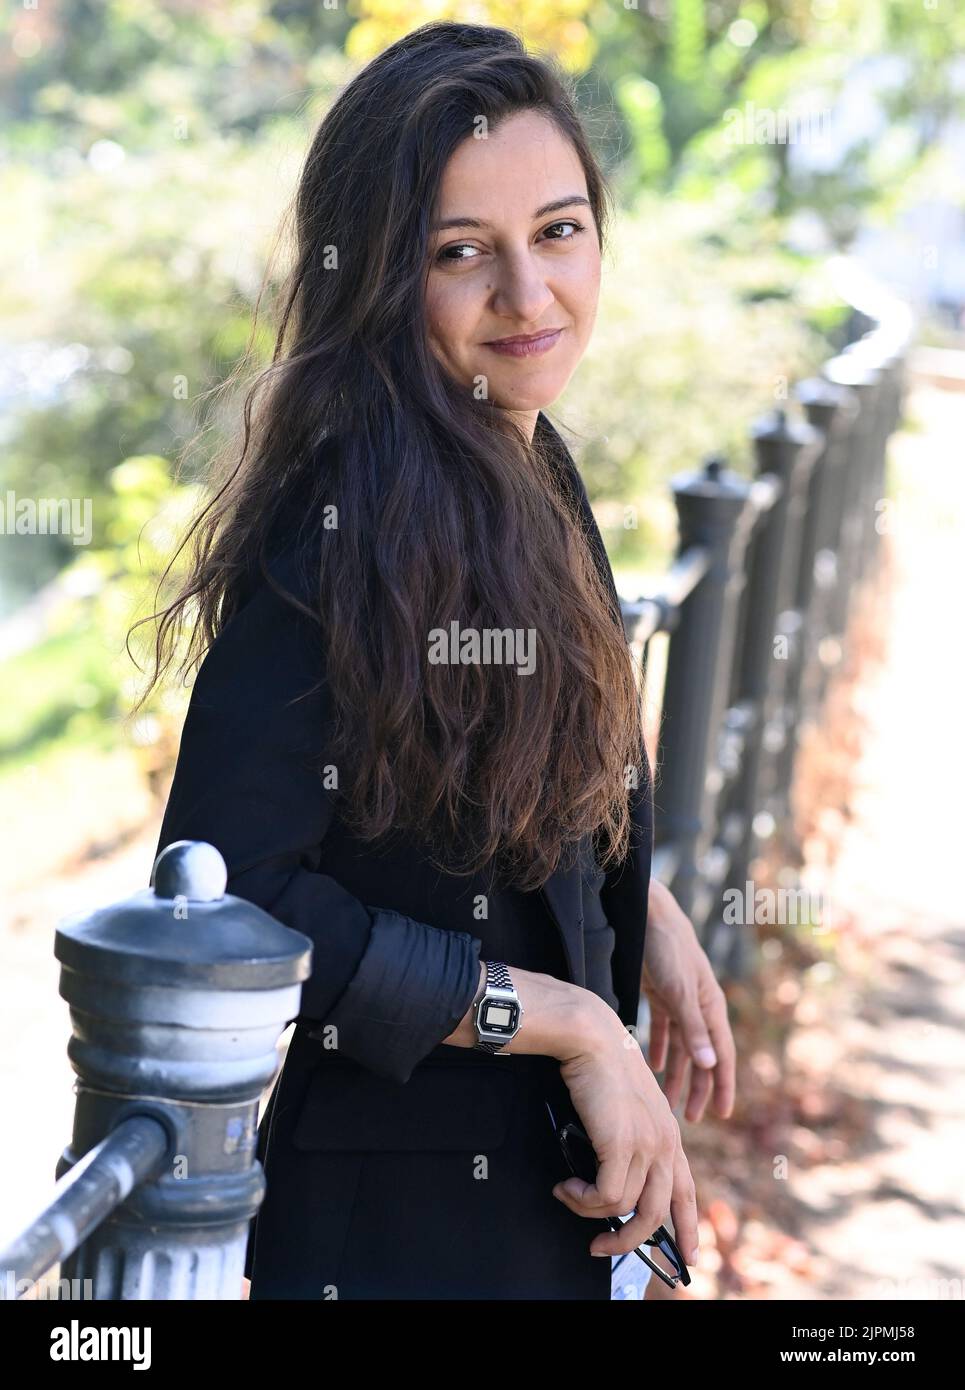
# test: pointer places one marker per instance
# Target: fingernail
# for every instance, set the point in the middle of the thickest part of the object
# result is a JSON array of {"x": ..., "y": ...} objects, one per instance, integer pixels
[
  {"x": 692, "y": 1257},
  {"x": 600, "y": 1254},
  {"x": 706, "y": 1056}
]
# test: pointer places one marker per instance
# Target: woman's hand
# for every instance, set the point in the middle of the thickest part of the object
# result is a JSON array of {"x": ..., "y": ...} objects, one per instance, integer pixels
[
  {"x": 623, "y": 1110},
  {"x": 688, "y": 1010},
  {"x": 637, "y": 1141}
]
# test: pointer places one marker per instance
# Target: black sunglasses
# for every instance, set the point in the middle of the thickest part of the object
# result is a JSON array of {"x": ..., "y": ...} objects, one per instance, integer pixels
[{"x": 582, "y": 1162}]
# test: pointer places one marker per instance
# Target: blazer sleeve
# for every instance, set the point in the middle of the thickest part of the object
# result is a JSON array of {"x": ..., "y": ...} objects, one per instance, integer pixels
[{"x": 248, "y": 781}]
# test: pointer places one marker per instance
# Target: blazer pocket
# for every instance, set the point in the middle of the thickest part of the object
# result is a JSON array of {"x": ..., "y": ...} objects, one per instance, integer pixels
[{"x": 439, "y": 1109}]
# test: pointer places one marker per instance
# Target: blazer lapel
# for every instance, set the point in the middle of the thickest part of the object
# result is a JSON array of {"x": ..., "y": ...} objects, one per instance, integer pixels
[{"x": 563, "y": 894}]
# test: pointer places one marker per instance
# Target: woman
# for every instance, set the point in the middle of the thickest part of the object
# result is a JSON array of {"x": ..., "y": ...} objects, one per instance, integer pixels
[{"x": 415, "y": 732}]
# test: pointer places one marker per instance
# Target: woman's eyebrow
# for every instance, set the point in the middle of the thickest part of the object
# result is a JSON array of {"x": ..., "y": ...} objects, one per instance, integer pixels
[{"x": 555, "y": 206}]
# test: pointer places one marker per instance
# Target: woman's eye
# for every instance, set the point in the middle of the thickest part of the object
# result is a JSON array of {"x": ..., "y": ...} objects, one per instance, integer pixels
[
  {"x": 452, "y": 254},
  {"x": 577, "y": 227},
  {"x": 447, "y": 253}
]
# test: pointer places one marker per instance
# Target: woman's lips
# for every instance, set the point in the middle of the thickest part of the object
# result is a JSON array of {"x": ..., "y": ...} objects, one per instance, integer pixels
[{"x": 530, "y": 348}]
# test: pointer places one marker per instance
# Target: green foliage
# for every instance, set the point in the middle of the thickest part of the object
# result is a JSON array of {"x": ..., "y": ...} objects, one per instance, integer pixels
[
  {"x": 79, "y": 676},
  {"x": 642, "y": 107},
  {"x": 688, "y": 37},
  {"x": 706, "y": 321},
  {"x": 52, "y": 690}
]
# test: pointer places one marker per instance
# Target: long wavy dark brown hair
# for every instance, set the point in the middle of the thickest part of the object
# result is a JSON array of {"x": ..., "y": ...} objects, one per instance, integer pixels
[{"x": 445, "y": 511}]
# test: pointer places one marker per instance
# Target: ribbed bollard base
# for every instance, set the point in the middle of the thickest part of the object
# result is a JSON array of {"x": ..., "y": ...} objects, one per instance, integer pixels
[{"x": 130, "y": 1264}]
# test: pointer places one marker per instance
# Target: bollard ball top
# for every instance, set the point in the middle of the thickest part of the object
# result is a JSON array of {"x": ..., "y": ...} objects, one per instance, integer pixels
[{"x": 192, "y": 869}]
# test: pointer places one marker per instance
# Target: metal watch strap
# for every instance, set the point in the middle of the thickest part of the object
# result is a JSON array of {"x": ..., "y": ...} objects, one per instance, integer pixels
[{"x": 497, "y": 977}]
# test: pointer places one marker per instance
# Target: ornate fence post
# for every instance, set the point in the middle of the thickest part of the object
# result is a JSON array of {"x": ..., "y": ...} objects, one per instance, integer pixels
[
  {"x": 879, "y": 354},
  {"x": 862, "y": 379},
  {"x": 177, "y": 996},
  {"x": 786, "y": 451},
  {"x": 712, "y": 508},
  {"x": 832, "y": 410}
]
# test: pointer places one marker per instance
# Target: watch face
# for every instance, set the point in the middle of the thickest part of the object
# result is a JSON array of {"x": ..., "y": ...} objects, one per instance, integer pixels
[{"x": 499, "y": 1016}]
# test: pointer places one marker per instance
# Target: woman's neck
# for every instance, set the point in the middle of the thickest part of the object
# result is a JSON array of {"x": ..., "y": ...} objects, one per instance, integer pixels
[{"x": 526, "y": 420}]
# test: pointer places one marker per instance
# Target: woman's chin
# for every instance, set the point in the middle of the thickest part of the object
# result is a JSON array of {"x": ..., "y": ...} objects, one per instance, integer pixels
[{"x": 527, "y": 395}]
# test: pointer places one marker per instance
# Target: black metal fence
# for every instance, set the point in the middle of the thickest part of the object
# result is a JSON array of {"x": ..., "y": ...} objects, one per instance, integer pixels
[
  {"x": 178, "y": 995},
  {"x": 756, "y": 607}
]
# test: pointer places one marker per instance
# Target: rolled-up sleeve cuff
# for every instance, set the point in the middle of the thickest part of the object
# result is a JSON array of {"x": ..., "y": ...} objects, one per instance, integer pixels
[{"x": 413, "y": 986}]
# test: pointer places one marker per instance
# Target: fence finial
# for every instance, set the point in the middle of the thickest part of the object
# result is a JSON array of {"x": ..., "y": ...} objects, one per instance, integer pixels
[{"x": 191, "y": 869}]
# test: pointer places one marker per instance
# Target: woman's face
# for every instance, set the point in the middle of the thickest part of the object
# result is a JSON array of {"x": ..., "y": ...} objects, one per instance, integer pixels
[{"x": 513, "y": 252}]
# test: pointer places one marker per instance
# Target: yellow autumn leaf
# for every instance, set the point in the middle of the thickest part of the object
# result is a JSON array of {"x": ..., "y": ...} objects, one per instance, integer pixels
[{"x": 557, "y": 27}]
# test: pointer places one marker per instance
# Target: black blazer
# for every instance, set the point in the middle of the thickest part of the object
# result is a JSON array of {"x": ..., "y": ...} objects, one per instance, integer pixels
[{"x": 395, "y": 967}]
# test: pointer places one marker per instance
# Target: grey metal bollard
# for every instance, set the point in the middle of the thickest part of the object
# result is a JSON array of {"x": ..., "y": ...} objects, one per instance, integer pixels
[{"x": 177, "y": 996}]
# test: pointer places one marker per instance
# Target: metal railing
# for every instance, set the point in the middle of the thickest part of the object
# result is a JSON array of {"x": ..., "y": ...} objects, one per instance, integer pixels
[{"x": 756, "y": 607}]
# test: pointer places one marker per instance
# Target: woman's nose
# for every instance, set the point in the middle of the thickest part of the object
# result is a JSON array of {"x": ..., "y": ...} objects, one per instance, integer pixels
[{"x": 521, "y": 292}]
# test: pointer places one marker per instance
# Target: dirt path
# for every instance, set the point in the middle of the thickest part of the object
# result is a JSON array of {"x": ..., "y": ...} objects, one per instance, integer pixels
[{"x": 888, "y": 1219}]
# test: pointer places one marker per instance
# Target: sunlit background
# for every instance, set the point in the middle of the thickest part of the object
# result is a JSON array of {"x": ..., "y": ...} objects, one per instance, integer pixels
[{"x": 147, "y": 155}]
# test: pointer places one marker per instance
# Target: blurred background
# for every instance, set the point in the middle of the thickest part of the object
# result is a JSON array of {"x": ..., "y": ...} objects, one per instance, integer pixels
[{"x": 147, "y": 156}]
